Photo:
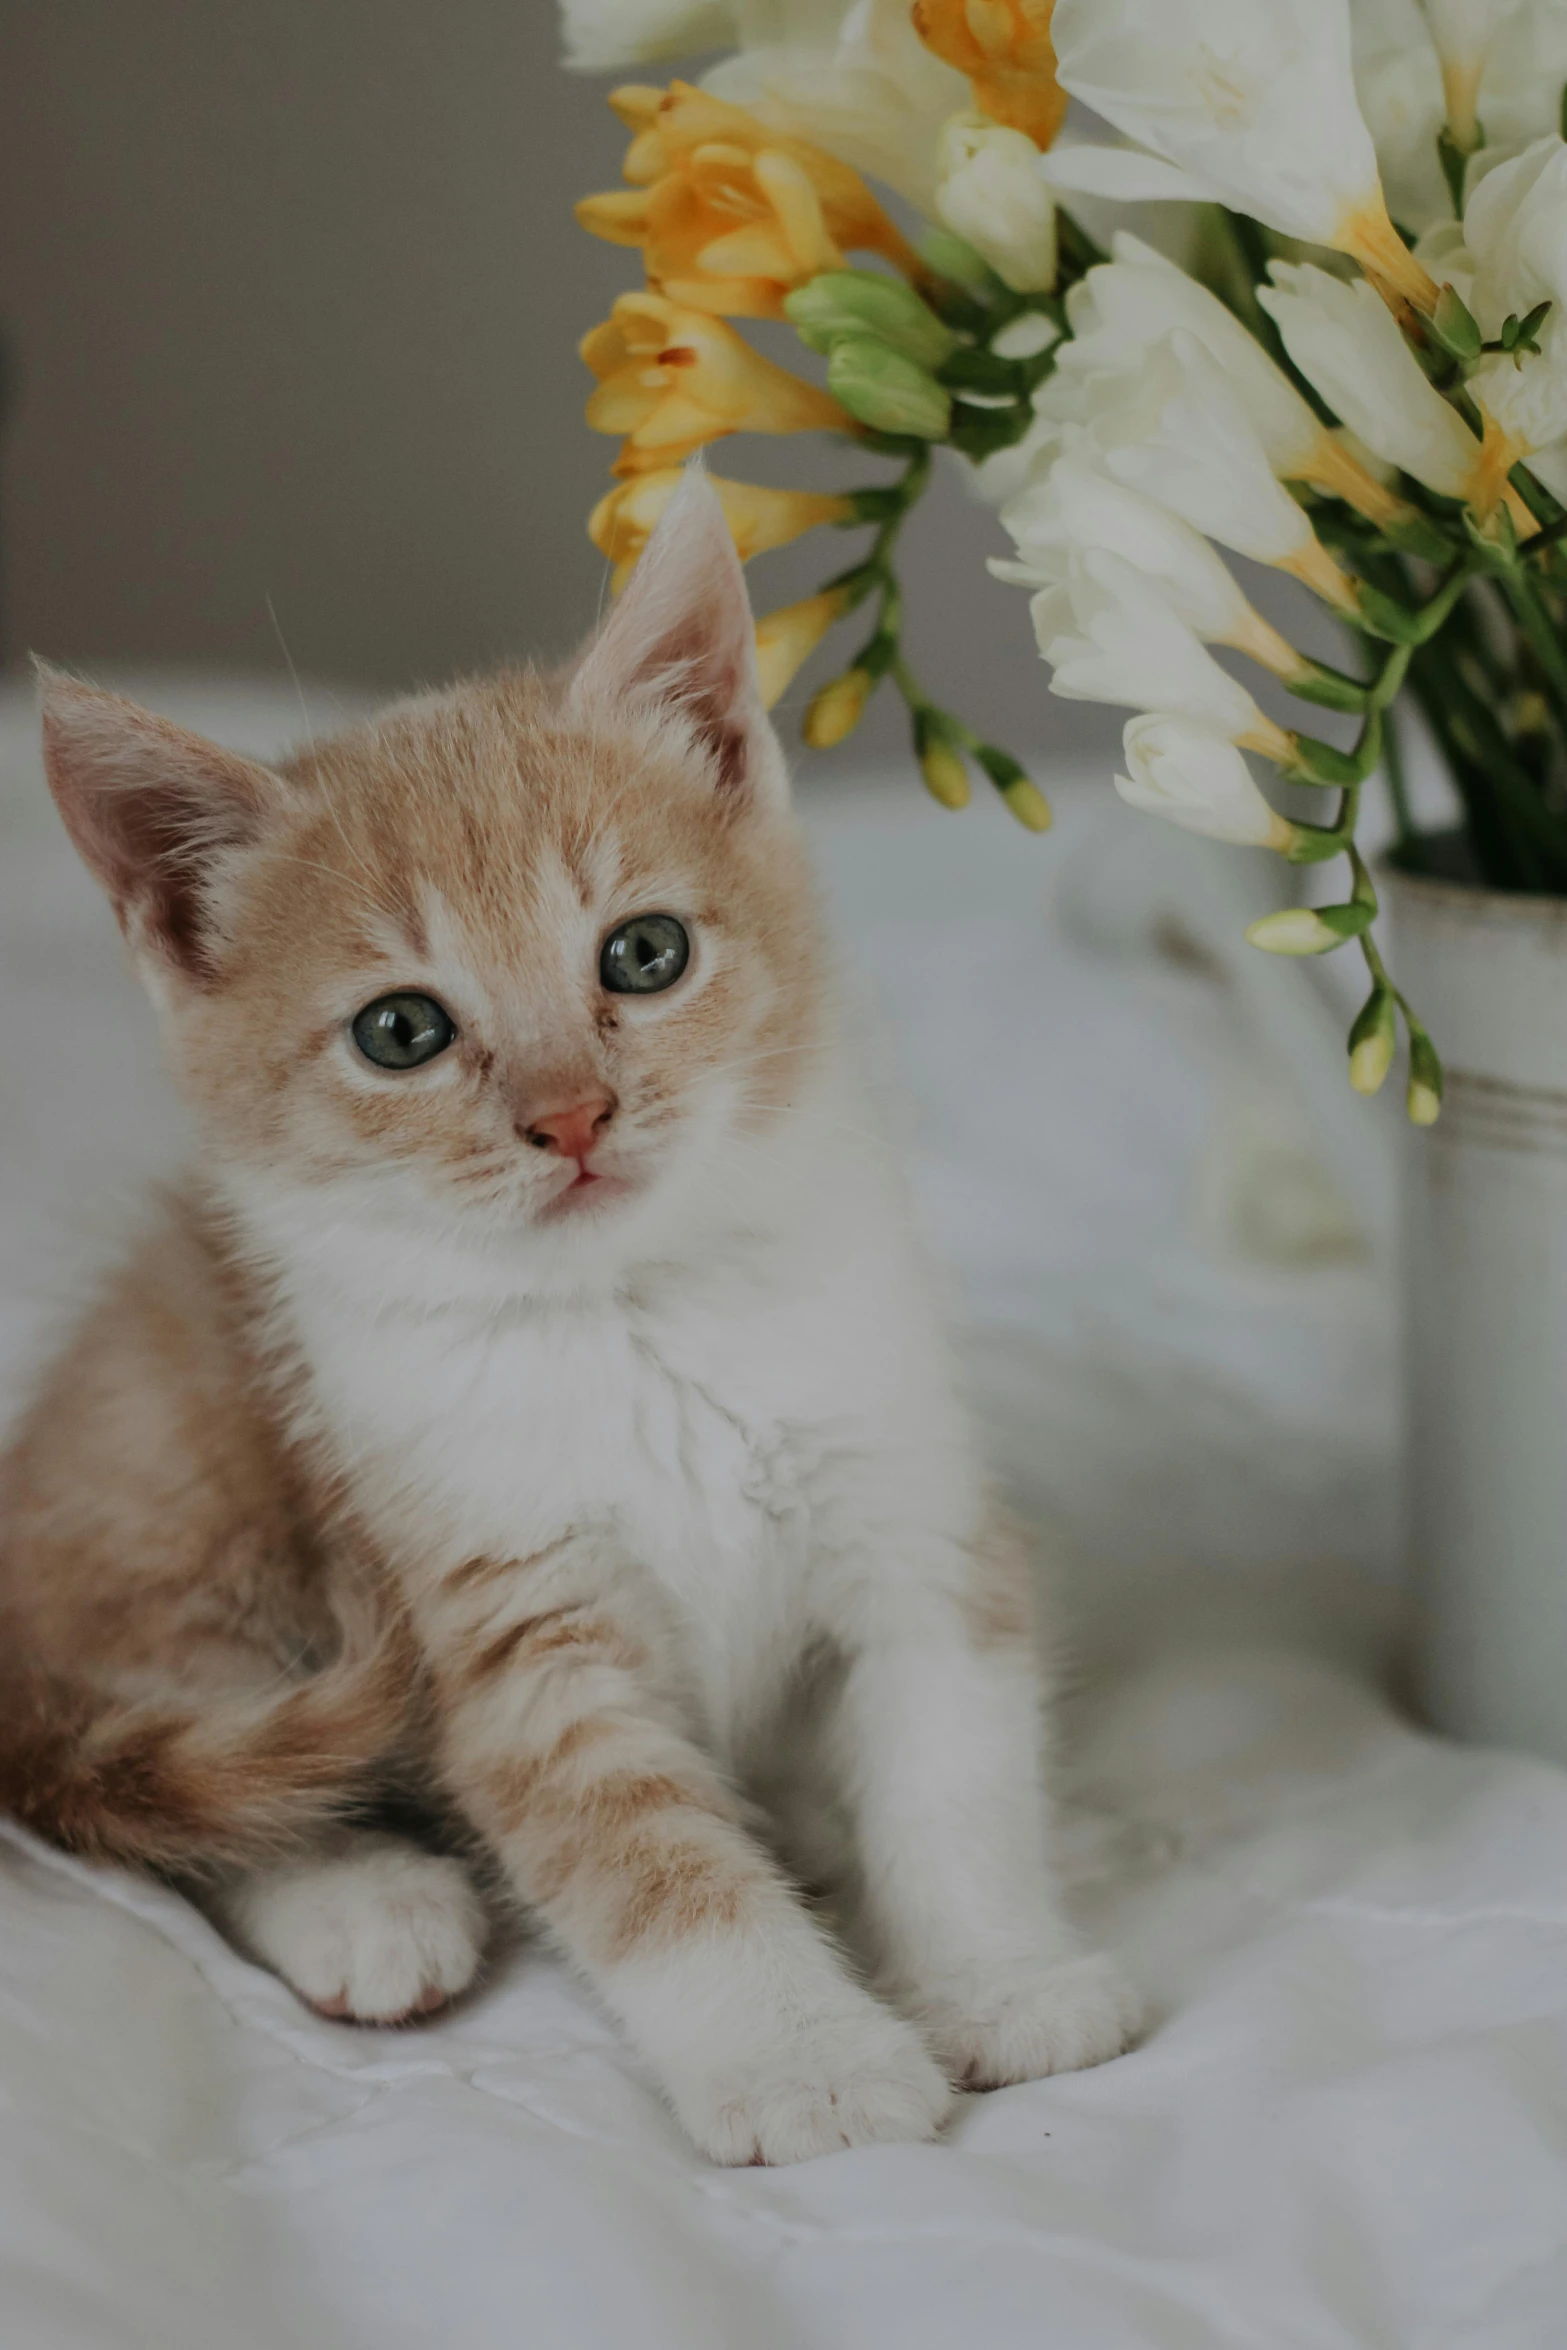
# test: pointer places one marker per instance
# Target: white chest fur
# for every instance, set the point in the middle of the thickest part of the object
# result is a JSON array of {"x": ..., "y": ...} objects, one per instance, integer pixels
[{"x": 749, "y": 1432}]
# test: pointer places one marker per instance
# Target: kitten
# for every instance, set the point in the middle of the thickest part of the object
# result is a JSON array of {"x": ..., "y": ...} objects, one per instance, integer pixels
[{"x": 532, "y": 1401}]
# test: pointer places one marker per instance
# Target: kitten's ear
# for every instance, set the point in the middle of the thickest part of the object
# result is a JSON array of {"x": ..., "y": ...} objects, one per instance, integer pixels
[
  {"x": 682, "y": 634},
  {"x": 152, "y": 810}
]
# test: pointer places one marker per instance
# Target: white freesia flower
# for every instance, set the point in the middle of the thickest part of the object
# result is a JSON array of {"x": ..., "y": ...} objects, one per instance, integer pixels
[
  {"x": 1525, "y": 69},
  {"x": 990, "y": 191},
  {"x": 1249, "y": 103},
  {"x": 1550, "y": 466},
  {"x": 1175, "y": 430},
  {"x": 1122, "y": 307},
  {"x": 1199, "y": 780},
  {"x": 1110, "y": 636},
  {"x": 1448, "y": 258},
  {"x": 1398, "y": 81},
  {"x": 856, "y": 80},
  {"x": 1515, "y": 226},
  {"x": 1008, "y": 472},
  {"x": 1076, "y": 507},
  {"x": 1463, "y": 31},
  {"x": 1347, "y": 341},
  {"x": 602, "y": 34},
  {"x": 1518, "y": 98}
]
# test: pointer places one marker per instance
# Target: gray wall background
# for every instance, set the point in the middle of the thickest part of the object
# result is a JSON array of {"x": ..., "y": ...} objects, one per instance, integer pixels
[{"x": 292, "y": 292}]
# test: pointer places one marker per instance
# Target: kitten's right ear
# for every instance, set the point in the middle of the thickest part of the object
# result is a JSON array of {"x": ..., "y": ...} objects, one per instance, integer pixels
[{"x": 151, "y": 809}]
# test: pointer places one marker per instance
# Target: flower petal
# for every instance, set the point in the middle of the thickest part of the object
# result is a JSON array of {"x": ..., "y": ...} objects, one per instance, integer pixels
[{"x": 1126, "y": 175}]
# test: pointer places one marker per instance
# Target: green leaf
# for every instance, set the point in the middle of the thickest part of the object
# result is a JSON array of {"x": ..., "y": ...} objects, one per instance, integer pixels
[{"x": 1530, "y": 325}]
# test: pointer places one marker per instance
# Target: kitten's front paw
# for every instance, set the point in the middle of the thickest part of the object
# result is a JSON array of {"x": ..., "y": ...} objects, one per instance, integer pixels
[
  {"x": 834, "y": 2083},
  {"x": 1060, "y": 2019},
  {"x": 380, "y": 1933}
]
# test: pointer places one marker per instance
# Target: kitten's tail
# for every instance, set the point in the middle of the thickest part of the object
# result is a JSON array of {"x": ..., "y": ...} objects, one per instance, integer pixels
[{"x": 231, "y": 1782}]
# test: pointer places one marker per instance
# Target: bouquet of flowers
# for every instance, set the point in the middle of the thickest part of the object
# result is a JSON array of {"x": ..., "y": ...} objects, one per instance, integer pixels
[{"x": 1360, "y": 378}]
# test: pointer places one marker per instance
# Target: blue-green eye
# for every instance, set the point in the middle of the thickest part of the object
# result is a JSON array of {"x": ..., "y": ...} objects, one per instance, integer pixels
[
  {"x": 645, "y": 954},
  {"x": 403, "y": 1031}
]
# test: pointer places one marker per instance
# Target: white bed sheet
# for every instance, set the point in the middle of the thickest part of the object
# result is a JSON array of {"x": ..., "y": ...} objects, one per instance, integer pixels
[{"x": 1348, "y": 2124}]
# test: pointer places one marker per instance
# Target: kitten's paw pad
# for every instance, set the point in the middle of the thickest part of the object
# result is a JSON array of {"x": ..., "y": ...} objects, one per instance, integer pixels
[
  {"x": 819, "y": 2093},
  {"x": 377, "y": 1936},
  {"x": 1076, "y": 2013}
]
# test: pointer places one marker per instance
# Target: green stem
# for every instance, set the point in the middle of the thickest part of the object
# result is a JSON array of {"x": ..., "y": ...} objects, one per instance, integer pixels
[
  {"x": 1520, "y": 842},
  {"x": 1397, "y": 779},
  {"x": 1524, "y": 597}
]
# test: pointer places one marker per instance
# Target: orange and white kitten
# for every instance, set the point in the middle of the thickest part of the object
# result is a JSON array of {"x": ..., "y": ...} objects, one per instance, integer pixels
[{"x": 532, "y": 1402}]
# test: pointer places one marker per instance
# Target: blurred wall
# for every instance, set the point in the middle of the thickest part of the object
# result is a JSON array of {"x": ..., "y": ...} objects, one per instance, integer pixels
[{"x": 292, "y": 291}]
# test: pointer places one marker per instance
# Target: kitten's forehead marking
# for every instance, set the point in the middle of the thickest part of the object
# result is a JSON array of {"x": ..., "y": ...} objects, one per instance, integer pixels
[
  {"x": 535, "y": 930},
  {"x": 399, "y": 932},
  {"x": 596, "y": 864}
]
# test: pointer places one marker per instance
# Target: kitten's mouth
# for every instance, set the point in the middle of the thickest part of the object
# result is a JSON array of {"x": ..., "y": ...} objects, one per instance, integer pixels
[{"x": 587, "y": 1189}]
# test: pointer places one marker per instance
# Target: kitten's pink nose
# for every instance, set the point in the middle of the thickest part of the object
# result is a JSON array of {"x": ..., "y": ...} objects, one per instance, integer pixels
[{"x": 572, "y": 1133}]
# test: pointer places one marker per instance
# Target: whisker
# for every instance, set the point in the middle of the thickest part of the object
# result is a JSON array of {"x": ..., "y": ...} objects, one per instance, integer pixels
[{"x": 288, "y": 658}]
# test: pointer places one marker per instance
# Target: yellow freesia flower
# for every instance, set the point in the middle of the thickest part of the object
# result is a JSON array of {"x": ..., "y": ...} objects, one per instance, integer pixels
[
  {"x": 673, "y": 127},
  {"x": 671, "y": 379},
  {"x": 723, "y": 230},
  {"x": 1005, "y": 49},
  {"x": 786, "y": 639},
  {"x": 637, "y": 106},
  {"x": 622, "y": 522}
]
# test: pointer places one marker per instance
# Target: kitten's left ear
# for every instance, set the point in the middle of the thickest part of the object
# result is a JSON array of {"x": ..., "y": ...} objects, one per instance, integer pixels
[{"x": 682, "y": 635}]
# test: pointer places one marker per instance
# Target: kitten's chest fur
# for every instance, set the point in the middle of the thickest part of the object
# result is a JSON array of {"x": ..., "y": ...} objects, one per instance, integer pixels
[{"x": 684, "y": 1429}]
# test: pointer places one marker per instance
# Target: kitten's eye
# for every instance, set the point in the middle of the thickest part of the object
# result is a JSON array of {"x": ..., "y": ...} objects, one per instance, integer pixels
[
  {"x": 645, "y": 954},
  {"x": 402, "y": 1031}
]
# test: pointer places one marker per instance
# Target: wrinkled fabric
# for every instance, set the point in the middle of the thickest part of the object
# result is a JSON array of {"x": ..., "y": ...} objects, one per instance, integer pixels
[{"x": 1348, "y": 2122}]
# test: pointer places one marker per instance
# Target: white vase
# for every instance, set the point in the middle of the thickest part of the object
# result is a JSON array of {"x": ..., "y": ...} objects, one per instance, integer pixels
[{"x": 1485, "y": 1242}]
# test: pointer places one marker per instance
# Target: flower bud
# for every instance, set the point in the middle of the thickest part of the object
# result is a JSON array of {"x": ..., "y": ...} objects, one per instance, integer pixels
[
  {"x": 1454, "y": 325},
  {"x": 1424, "y": 1098},
  {"x": 837, "y": 709},
  {"x": 1028, "y": 804},
  {"x": 1022, "y": 795},
  {"x": 1303, "y": 930},
  {"x": 946, "y": 777},
  {"x": 1371, "y": 1042},
  {"x": 859, "y": 302},
  {"x": 955, "y": 259},
  {"x": 786, "y": 639},
  {"x": 991, "y": 194},
  {"x": 885, "y": 390}
]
